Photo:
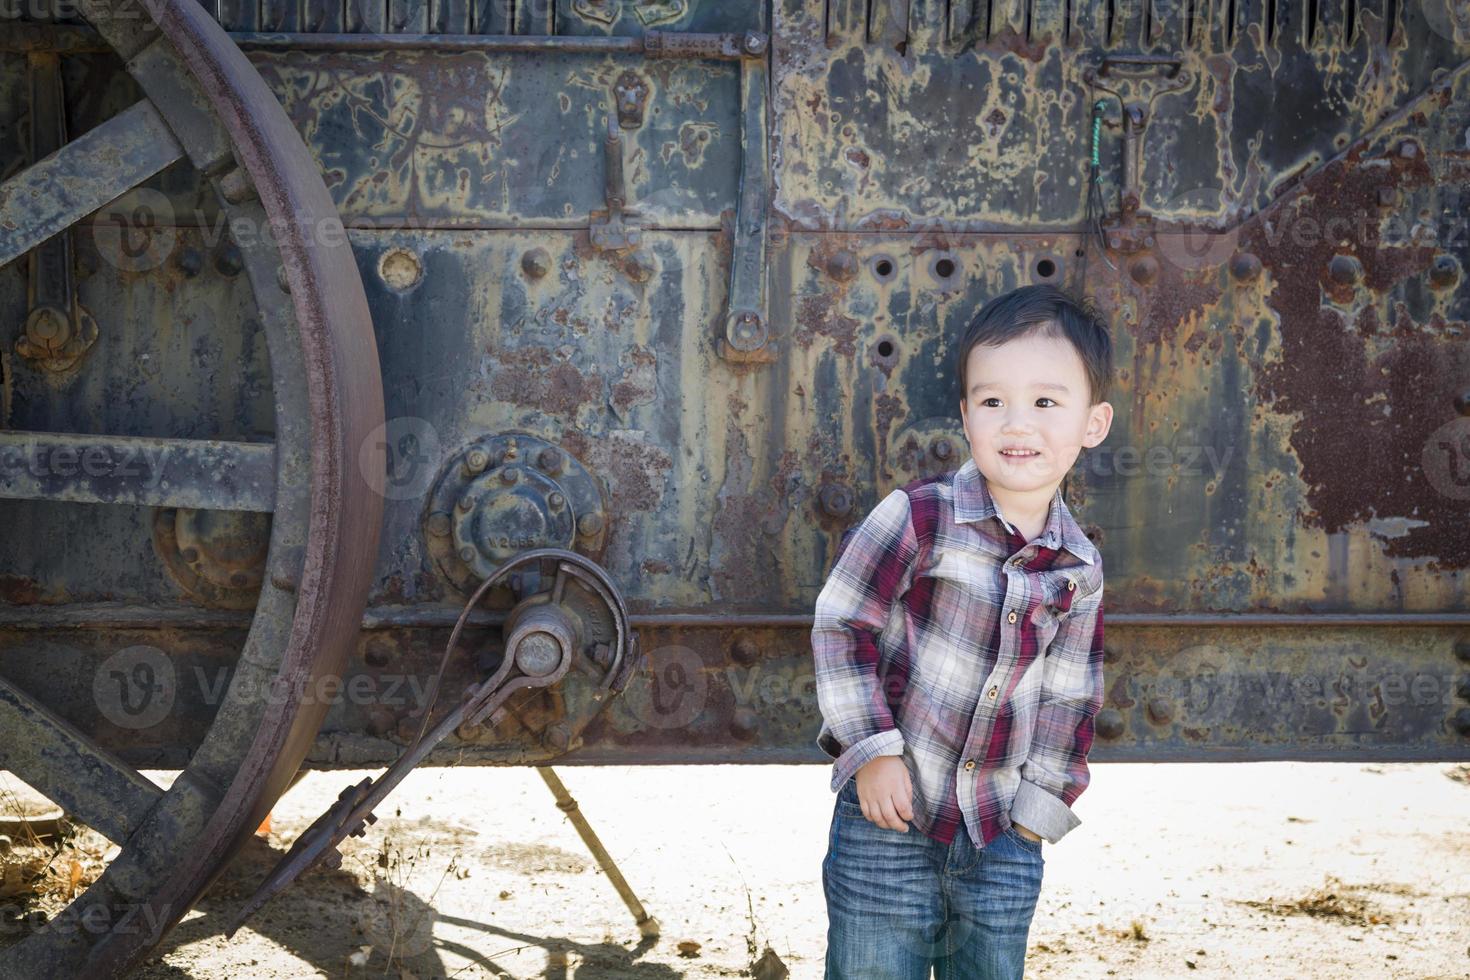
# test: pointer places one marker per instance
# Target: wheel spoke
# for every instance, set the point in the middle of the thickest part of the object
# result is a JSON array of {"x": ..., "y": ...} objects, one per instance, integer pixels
[
  {"x": 92, "y": 170},
  {"x": 87, "y": 781},
  {"x": 203, "y": 474}
]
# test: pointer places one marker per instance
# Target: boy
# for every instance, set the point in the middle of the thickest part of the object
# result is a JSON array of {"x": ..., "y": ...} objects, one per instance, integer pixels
[{"x": 958, "y": 644}]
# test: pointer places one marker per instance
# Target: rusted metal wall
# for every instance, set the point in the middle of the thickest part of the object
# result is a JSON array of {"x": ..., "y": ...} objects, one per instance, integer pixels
[{"x": 1281, "y": 503}]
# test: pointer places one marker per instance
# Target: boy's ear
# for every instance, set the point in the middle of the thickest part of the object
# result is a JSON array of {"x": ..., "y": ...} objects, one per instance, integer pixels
[{"x": 1099, "y": 421}]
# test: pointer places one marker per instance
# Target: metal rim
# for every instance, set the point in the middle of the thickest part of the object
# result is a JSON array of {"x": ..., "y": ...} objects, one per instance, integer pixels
[{"x": 328, "y": 400}]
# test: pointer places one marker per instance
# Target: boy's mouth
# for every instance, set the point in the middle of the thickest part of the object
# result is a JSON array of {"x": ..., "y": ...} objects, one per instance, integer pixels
[{"x": 1019, "y": 453}]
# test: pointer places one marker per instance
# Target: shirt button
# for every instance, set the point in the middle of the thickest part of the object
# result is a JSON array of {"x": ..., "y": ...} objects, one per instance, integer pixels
[
  {"x": 1012, "y": 617},
  {"x": 1071, "y": 585},
  {"x": 991, "y": 693},
  {"x": 969, "y": 765}
]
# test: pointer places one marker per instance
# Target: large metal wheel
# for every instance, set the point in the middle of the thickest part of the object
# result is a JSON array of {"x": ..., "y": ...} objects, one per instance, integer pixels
[{"x": 205, "y": 101}]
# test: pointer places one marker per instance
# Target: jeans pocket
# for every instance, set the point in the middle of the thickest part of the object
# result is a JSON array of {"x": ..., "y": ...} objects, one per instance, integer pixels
[{"x": 1034, "y": 846}]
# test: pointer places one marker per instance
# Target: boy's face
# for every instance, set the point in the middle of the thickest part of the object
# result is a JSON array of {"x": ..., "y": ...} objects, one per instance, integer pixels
[{"x": 1030, "y": 393}]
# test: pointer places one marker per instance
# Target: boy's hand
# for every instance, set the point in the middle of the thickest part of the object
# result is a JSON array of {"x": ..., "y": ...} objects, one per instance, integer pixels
[{"x": 886, "y": 792}]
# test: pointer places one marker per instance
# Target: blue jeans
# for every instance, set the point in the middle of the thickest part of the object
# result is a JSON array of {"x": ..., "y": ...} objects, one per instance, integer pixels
[{"x": 901, "y": 904}]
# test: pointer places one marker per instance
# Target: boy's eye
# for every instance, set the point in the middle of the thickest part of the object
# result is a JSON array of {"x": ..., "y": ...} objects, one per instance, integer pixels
[
  {"x": 986, "y": 402},
  {"x": 1043, "y": 398}
]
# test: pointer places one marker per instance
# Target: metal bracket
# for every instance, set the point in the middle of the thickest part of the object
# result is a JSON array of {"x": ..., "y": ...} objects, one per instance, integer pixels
[
  {"x": 746, "y": 335},
  {"x": 1135, "y": 81},
  {"x": 57, "y": 330},
  {"x": 617, "y": 228},
  {"x": 650, "y": 12}
]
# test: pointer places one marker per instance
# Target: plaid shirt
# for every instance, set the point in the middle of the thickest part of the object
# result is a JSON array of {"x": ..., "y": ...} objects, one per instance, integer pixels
[{"x": 944, "y": 637}]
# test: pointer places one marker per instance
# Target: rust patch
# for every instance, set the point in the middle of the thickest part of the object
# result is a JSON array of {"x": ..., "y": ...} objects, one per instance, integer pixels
[
  {"x": 635, "y": 472},
  {"x": 1369, "y": 394},
  {"x": 541, "y": 378},
  {"x": 639, "y": 382},
  {"x": 818, "y": 316},
  {"x": 19, "y": 590}
]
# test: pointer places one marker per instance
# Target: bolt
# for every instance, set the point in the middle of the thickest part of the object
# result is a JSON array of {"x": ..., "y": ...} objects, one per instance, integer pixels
[
  {"x": 836, "y": 500},
  {"x": 510, "y": 475},
  {"x": 463, "y": 505},
  {"x": 476, "y": 460},
  {"x": 1444, "y": 272},
  {"x": 536, "y": 263},
  {"x": 602, "y": 654},
  {"x": 229, "y": 261},
  {"x": 589, "y": 525},
  {"x": 556, "y": 500},
  {"x": 755, "y": 42},
  {"x": 191, "y": 260},
  {"x": 467, "y": 554},
  {"x": 842, "y": 266},
  {"x": 744, "y": 651},
  {"x": 1109, "y": 723},
  {"x": 1344, "y": 269},
  {"x": 1462, "y": 721},
  {"x": 1114, "y": 241},
  {"x": 942, "y": 449},
  {"x": 1160, "y": 711},
  {"x": 1145, "y": 270},
  {"x": 1245, "y": 266},
  {"x": 439, "y": 525},
  {"x": 1408, "y": 149}
]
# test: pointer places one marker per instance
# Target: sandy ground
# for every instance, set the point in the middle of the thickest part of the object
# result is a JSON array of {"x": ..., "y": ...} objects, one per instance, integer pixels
[{"x": 1252, "y": 870}]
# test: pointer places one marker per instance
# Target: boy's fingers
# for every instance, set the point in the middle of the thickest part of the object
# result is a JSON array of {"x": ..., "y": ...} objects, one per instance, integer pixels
[
  {"x": 890, "y": 814},
  {"x": 905, "y": 807}
]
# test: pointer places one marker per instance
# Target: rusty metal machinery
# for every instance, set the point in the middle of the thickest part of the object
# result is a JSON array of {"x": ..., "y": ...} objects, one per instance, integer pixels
[{"x": 673, "y": 286}]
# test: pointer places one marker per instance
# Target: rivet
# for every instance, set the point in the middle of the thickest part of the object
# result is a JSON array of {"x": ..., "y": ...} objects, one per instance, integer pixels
[
  {"x": 744, "y": 724},
  {"x": 467, "y": 554},
  {"x": 942, "y": 449},
  {"x": 550, "y": 461},
  {"x": 463, "y": 505},
  {"x": 842, "y": 266},
  {"x": 536, "y": 263},
  {"x": 556, "y": 500},
  {"x": 379, "y": 652},
  {"x": 1344, "y": 269},
  {"x": 836, "y": 500},
  {"x": 1160, "y": 711},
  {"x": 1408, "y": 149},
  {"x": 1145, "y": 270},
  {"x": 476, "y": 460},
  {"x": 1109, "y": 723},
  {"x": 229, "y": 261},
  {"x": 1444, "y": 272},
  {"x": 510, "y": 475},
  {"x": 589, "y": 525},
  {"x": 191, "y": 260},
  {"x": 1245, "y": 266},
  {"x": 439, "y": 525},
  {"x": 744, "y": 651}
]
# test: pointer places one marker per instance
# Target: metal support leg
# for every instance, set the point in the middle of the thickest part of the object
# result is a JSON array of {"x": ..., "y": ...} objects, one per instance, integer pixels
[{"x": 647, "y": 924}]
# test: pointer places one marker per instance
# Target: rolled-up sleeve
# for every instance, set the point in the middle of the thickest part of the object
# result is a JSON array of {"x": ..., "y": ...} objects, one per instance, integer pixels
[
  {"x": 1055, "y": 771},
  {"x": 873, "y": 571}
]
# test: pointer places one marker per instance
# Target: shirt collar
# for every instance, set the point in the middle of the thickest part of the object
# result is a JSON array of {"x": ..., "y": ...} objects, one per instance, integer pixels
[{"x": 973, "y": 502}]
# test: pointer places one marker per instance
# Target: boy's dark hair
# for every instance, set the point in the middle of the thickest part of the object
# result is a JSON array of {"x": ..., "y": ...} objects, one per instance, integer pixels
[{"x": 1057, "y": 314}]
